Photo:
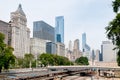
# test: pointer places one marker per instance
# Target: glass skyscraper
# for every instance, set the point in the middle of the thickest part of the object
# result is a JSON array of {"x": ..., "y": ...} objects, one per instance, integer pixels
[
  {"x": 83, "y": 41},
  {"x": 51, "y": 47},
  {"x": 59, "y": 29},
  {"x": 85, "y": 47},
  {"x": 43, "y": 30},
  {"x": 58, "y": 38}
]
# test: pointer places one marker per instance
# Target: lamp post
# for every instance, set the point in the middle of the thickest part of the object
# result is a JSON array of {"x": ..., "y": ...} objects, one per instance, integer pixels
[{"x": 36, "y": 60}]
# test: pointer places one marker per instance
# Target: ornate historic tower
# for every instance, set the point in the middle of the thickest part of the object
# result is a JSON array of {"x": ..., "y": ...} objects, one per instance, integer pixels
[{"x": 20, "y": 32}]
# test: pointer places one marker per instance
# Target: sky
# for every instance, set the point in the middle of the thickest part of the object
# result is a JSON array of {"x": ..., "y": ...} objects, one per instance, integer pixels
[{"x": 89, "y": 16}]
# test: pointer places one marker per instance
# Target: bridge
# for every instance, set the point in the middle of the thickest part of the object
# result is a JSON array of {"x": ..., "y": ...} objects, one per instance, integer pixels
[
  {"x": 105, "y": 71},
  {"x": 74, "y": 68},
  {"x": 62, "y": 71}
]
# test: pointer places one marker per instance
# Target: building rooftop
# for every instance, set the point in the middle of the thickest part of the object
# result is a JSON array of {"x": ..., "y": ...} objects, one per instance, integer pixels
[{"x": 19, "y": 10}]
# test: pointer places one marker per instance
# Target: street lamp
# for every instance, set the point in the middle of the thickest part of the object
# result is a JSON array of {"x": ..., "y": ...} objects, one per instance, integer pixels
[{"x": 36, "y": 60}]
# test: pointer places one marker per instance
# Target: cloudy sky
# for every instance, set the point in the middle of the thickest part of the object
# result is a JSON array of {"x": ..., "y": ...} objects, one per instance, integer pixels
[{"x": 90, "y": 16}]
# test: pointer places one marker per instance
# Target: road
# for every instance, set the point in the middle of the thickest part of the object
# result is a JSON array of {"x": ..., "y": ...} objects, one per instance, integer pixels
[{"x": 77, "y": 77}]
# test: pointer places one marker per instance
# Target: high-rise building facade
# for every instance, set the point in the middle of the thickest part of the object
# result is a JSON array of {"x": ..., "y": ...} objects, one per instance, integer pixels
[
  {"x": 43, "y": 30},
  {"x": 76, "y": 49},
  {"x": 85, "y": 46},
  {"x": 83, "y": 41},
  {"x": 37, "y": 46},
  {"x": 59, "y": 29},
  {"x": 5, "y": 28},
  {"x": 109, "y": 55},
  {"x": 76, "y": 44},
  {"x": 70, "y": 45},
  {"x": 93, "y": 55},
  {"x": 20, "y": 33},
  {"x": 60, "y": 49},
  {"x": 69, "y": 52},
  {"x": 58, "y": 38},
  {"x": 92, "y": 58},
  {"x": 101, "y": 54},
  {"x": 51, "y": 47},
  {"x": 97, "y": 55}
]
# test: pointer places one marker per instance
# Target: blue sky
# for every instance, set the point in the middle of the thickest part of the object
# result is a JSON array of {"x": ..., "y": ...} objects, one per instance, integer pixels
[{"x": 90, "y": 16}]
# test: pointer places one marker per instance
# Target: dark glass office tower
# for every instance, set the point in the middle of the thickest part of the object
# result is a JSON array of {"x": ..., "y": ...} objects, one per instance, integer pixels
[{"x": 43, "y": 30}]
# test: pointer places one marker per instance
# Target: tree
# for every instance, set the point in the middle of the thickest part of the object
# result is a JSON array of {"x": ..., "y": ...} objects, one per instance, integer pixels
[
  {"x": 82, "y": 61},
  {"x": 51, "y": 59},
  {"x": 60, "y": 60},
  {"x": 6, "y": 54},
  {"x": 27, "y": 62},
  {"x": 9, "y": 58},
  {"x": 46, "y": 59},
  {"x": 28, "y": 59},
  {"x": 113, "y": 29},
  {"x": 116, "y": 5},
  {"x": 20, "y": 62}
]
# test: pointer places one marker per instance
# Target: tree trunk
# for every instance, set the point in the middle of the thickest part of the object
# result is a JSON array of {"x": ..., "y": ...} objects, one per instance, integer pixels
[
  {"x": 118, "y": 57},
  {"x": 0, "y": 69}
]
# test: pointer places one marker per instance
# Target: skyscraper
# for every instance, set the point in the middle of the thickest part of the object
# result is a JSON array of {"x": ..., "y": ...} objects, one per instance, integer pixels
[
  {"x": 59, "y": 29},
  {"x": 37, "y": 46},
  {"x": 76, "y": 50},
  {"x": 58, "y": 38},
  {"x": 76, "y": 44},
  {"x": 85, "y": 46},
  {"x": 83, "y": 41},
  {"x": 101, "y": 54},
  {"x": 20, "y": 33},
  {"x": 60, "y": 49},
  {"x": 51, "y": 47},
  {"x": 93, "y": 57},
  {"x": 43, "y": 30},
  {"x": 109, "y": 55},
  {"x": 97, "y": 57},
  {"x": 70, "y": 45}
]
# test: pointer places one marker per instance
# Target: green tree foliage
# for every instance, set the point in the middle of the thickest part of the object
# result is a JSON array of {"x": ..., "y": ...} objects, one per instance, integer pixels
[
  {"x": 50, "y": 59},
  {"x": 6, "y": 54},
  {"x": 9, "y": 58},
  {"x": 116, "y": 5},
  {"x": 113, "y": 29},
  {"x": 82, "y": 61},
  {"x": 20, "y": 62},
  {"x": 26, "y": 61},
  {"x": 46, "y": 59},
  {"x": 33, "y": 64}
]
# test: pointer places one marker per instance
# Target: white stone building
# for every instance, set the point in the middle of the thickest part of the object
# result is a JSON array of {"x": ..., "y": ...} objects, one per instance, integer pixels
[
  {"x": 109, "y": 55},
  {"x": 37, "y": 46},
  {"x": 60, "y": 49},
  {"x": 20, "y": 33},
  {"x": 69, "y": 54}
]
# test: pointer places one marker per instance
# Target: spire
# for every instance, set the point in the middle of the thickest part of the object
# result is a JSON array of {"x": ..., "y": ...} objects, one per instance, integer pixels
[
  {"x": 19, "y": 10},
  {"x": 20, "y": 6}
]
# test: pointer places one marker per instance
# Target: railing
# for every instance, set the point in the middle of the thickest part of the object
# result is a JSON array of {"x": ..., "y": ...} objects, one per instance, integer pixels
[{"x": 53, "y": 71}]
